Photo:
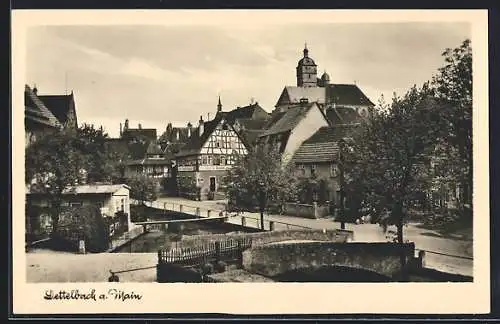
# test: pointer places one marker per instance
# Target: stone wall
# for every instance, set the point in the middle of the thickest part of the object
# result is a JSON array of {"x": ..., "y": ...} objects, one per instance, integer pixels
[
  {"x": 382, "y": 258},
  {"x": 306, "y": 211}
]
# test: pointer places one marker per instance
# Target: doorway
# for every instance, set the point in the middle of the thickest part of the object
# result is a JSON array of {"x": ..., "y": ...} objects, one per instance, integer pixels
[{"x": 212, "y": 184}]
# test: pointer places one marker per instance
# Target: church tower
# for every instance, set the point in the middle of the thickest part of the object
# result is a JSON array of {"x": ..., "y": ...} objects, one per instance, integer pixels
[{"x": 306, "y": 71}]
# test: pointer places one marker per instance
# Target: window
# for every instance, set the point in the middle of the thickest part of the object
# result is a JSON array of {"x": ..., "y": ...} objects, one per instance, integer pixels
[
  {"x": 334, "y": 170},
  {"x": 313, "y": 169},
  {"x": 216, "y": 160},
  {"x": 223, "y": 160},
  {"x": 203, "y": 160},
  {"x": 122, "y": 204}
]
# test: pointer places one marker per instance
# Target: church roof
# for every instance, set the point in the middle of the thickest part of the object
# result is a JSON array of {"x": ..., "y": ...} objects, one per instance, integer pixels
[
  {"x": 312, "y": 94},
  {"x": 287, "y": 120},
  {"x": 306, "y": 61},
  {"x": 322, "y": 146},
  {"x": 35, "y": 110},
  {"x": 347, "y": 94},
  {"x": 59, "y": 105}
]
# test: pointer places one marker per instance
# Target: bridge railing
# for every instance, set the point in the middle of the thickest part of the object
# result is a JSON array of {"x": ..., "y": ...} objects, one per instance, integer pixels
[{"x": 224, "y": 250}]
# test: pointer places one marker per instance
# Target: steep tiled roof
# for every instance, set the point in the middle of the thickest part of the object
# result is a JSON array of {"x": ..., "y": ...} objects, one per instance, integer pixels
[
  {"x": 322, "y": 146},
  {"x": 35, "y": 110},
  {"x": 294, "y": 94},
  {"x": 342, "y": 115},
  {"x": 195, "y": 142},
  {"x": 346, "y": 94},
  {"x": 253, "y": 111},
  {"x": 288, "y": 120},
  {"x": 59, "y": 105}
]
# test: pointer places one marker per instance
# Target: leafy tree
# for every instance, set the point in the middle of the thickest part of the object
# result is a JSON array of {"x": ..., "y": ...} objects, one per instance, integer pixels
[
  {"x": 261, "y": 178},
  {"x": 102, "y": 166},
  {"x": 53, "y": 164},
  {"x": 143, "y": 188},
  {"x": 386, "y": 161},
  {"x": 453, "y": 86}
]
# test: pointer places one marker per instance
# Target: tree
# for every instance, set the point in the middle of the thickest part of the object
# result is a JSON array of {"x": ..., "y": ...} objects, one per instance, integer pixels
[
  {"x": 386, "y": 161},
  {"x": 261, "y": 178},
  {"x": 453, "y": 86},
  {"x": 53, "y": 164},
  {"x": 143, "y": 188},
  {"x": 102, "y": 165}
]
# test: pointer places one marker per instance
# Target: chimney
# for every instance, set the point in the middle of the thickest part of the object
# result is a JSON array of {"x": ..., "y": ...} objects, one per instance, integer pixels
[
  {"x": 189, "y": 129},
  {"x": 200, "y": 126},
  {"x": 140, "y": 126},
  {"x": 35, "y": 90},
  {"x": 121, "y": 131},
  {"x": 126, "y": 125}
]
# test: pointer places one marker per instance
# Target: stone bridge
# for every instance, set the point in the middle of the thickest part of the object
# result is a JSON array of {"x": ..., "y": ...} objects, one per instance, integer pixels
[{"x": 382, "y": 259}]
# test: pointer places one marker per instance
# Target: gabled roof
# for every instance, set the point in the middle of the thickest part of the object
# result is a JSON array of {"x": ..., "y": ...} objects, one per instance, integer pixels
[
  {"x": 146, "y": 161},
  {"x": 35, "y": 110},
  {"x": 196, "y": 142},
  {"x": 59, "y": 105},
  {"x": 323, "y": 146},
  {"x": 346, "y": 94},
  {"x": 252, "y": 111},
  {"x": 287, "y": 120},
  {"x": 292, "y": 95}
]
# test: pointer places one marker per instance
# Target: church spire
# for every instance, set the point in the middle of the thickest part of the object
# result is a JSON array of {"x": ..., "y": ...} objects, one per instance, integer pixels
[
  {"x": 219, "y": 106},
  {"x": 306, "y": 51}
]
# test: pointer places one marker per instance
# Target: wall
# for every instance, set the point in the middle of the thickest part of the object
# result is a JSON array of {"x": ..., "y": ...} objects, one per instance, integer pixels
[
  {"x": 272, "y": 260},
  {"x": 307, "y": 211},
  {"x": 260, "y": 238},
  {"x": 313, "y": 120}
]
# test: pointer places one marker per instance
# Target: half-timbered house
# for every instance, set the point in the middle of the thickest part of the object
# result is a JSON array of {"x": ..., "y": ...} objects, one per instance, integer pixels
[{"x": 203, "y": 162}]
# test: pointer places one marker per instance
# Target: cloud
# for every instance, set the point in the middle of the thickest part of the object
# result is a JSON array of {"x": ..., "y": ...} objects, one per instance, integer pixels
[{"x": 158, "y": 74}]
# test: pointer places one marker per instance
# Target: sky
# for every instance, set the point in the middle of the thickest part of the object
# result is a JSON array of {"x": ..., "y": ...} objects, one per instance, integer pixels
[{"x": 154, "y": 75}]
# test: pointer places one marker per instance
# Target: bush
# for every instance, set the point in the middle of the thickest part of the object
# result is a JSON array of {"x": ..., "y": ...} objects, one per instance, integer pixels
[
  {"x": 87, "y": 223},
  {"x": 207, "y": 269},
  {"x": 220, "y": 267}
]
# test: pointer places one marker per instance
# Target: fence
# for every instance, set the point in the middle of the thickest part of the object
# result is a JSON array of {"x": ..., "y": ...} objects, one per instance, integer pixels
[{"x": 226, "y": 250}]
